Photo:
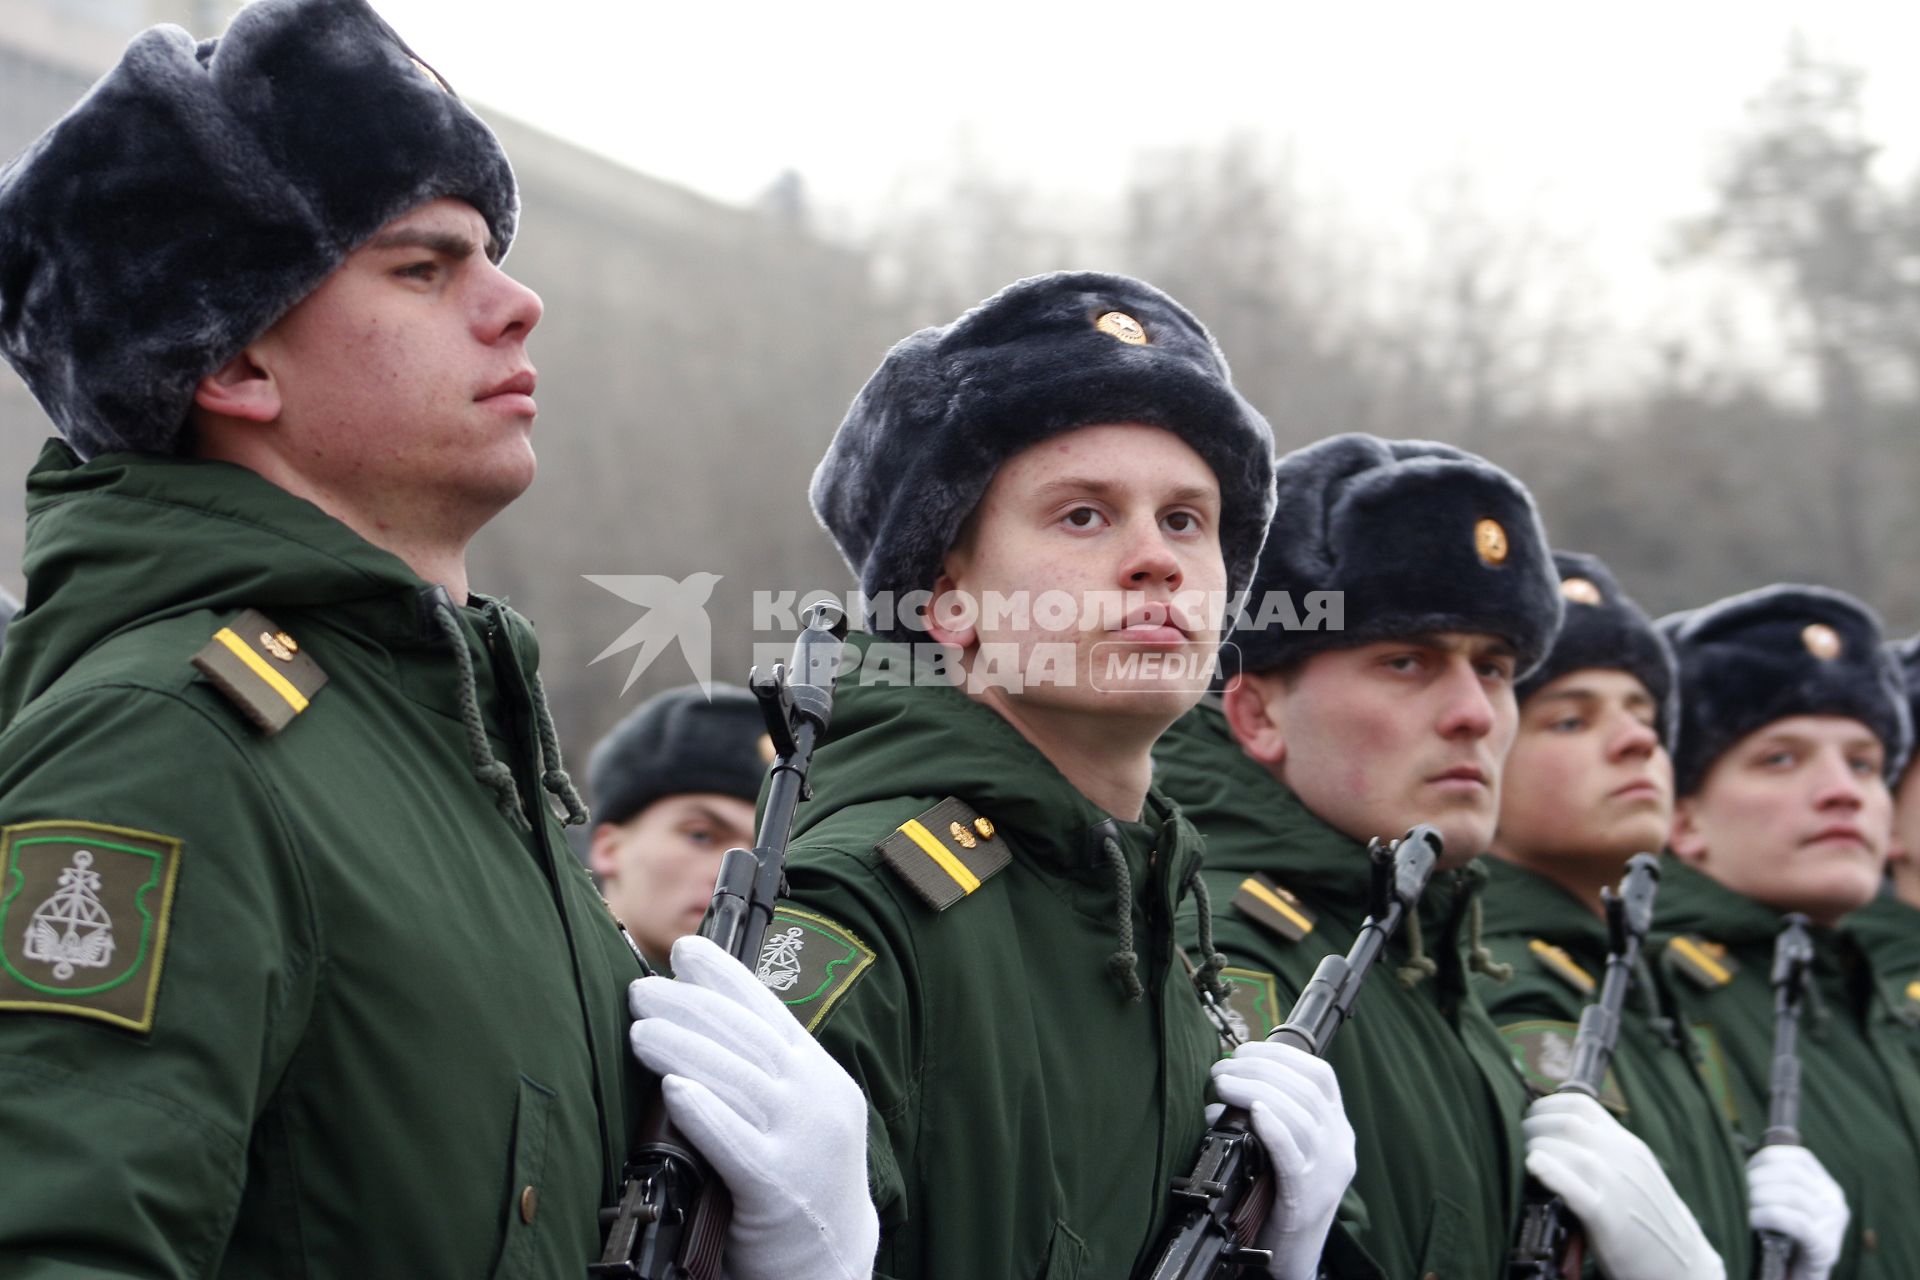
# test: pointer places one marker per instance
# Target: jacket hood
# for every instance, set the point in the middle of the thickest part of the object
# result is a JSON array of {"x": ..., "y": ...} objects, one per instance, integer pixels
[
  {"x": 1520, "y": 901},
  {"x": 128, "y": 539}
]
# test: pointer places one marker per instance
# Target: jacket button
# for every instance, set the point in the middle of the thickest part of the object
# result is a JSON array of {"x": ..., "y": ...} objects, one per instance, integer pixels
[
  {"x": 529, "y": 1204},
  {"x": 1870, "y": 1239}
]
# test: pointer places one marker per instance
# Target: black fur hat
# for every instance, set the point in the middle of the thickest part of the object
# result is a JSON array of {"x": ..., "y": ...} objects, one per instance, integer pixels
[
  {"x": 1781, "y": 651},
  {"x": 678, "y": 743},
  {"x": 199, "y": 191},
  {"x": 1043, "y": 356},
  {"x": 1906, "y": 655},
  {"x": 1601, "y": 627},
  {"x": 1416, "y": 537}
]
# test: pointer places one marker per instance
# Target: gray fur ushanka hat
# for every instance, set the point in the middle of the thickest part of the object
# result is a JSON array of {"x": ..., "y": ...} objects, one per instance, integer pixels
[
  {"x": 678, "y": 743},
  {"x": 1043, "y": 356},
  {"x": 1906, "y": 656},
  {"x": 1603, "y": 629},
  {"x": 1781, "y": 651},
  {"x": 1417, "y": 537},
  {"x": 200, "y": 190}
]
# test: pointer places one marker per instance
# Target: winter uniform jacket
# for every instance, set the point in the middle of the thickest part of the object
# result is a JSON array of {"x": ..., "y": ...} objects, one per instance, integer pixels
[
  {"x": 1433, "y": 1096},
  {"x": 1888, "y": 931},
  {"x": 308, "y": 1002},
  {"x": 1860, "y": 1089},
  {"x": 1027, "y": 1114},
  {"x": 1557, "y": 949}
]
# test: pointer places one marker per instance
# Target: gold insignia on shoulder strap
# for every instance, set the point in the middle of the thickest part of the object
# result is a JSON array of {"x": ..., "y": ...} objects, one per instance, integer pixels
[
  {"x": 1706, "y": 963},
  {"x": 1913, "y": 998},
  {"x": 1261, "y": 899},
  {"x": 1561, "y": 965},
  {"x": 262, "y": 669},
  {"x": 945, "y": 853}
]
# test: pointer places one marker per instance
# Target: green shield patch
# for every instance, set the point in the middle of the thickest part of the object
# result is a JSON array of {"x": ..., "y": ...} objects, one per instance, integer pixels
[
  {"x": 1253, "y": 1002},
  {"x": 1544, "y": 1053},
  {"x": 810, "y": 963},
  {"x": 83, "y": 919}
]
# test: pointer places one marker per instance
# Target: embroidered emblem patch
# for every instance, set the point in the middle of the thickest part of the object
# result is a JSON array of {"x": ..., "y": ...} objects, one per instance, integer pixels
[
  {"x": 1711, "y": 1061},
  {"x": 262, "y": 669},
  {"x": 810, "y": 962},
  {"x": 1261, "y": 899},
  {"x": 1253, "y": 1002},
  {"x": 1706, "y": 963},
  {"x": 1544, "y": 1053},
  {"x": 945, "y": 853},
  {"x": 84, "y": 910},
  {"x": 1561, "y": 965}
]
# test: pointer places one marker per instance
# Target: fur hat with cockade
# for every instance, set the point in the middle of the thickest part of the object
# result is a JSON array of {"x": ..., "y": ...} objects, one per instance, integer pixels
[
  {"x": 1781, "y": 651},
  {"x": 201, "y": 189},
  {"x": 1602, "y": 628},
  {"x": 1042, "y": 357},
  {"x": 1412, "y": 538}
]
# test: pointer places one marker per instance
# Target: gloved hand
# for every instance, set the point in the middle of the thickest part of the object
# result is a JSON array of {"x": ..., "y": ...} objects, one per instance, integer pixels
[
  {"x": 1294, "y": 1100},
  {"x": 1789, "y": 1191},
  {"x": 781, "y": 1123},
  {"x": 1634, "y": 1220}
]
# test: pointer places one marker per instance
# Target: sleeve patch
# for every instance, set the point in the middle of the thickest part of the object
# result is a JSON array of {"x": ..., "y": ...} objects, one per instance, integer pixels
[
  {"x": 945, "y": 853},
  {"x": 262, "y": 670},
  {"x": 84, "y": 911},
  {"x": 1543, "y": 1052},
  {"x": 810, "y": 963},
  {"x": 1253, "y": 1002},
  {"x": 1262, "y": 900}
]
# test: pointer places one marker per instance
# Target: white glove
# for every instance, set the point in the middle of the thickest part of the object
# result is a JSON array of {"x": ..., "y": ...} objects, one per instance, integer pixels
[
  {"x": 1789, "y": 1191},
  {"x": 781, "y": 1123},
  {"x": 1633, "y": 1218},
  {"x": 1294, "y": 1100}
]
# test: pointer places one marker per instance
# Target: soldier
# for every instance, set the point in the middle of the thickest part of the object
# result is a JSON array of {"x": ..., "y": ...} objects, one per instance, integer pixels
[
  {"x": 296, "y": 973},
  {"x": 1398, "y": 713},
  {"x": 983, "y": 888},
  {"x": 1792, "y": 721},
  {"x": 673, "y": 786},
  {"x": 1589, "y": 783},
  {"x": 1888, "y": 928}
]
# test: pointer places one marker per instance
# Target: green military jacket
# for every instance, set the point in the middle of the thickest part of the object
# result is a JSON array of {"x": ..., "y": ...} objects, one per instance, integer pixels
[
  {"x": 1860, "y": 1090},
  {"x": 1027, "y": 1116},
  {"x": 291, "y": 1004},
  {"x": 1557, "y": 949},
  {"x": 1433, "y": 1096},
  {"x": 1888, "y": 930}
]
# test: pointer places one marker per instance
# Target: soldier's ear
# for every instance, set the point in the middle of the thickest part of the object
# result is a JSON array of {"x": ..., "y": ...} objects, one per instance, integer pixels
[
  {"x": 603, "y": 848},
  {"x": 1256, "y": 712},
  {"x": 952, "y": 616},
  {"x": 1688, "y": 839},
  {"x": 241, "y": 388}
]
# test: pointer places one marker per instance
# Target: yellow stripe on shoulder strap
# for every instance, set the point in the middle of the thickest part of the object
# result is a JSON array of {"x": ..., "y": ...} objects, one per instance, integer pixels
[
  {"x": 1713, "y": 968},
  {"x": 967, "y": 881},
  {"x": 258, "y": 665},
  {"x": 1278, "y": 903}
]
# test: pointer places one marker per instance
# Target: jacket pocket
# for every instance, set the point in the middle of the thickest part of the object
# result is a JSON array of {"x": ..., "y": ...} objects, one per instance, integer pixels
[
  {"x": 1066, "y": 1255},
  {"x": 520, "y": 1216},
  {"x": 1445, "y": 1256}
]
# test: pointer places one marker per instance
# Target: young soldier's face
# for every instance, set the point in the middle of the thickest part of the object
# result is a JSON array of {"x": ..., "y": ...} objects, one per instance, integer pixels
[
  {"x": 1095, "y": 557},
  {"x": 1796, "y": 815},
  {"x": 658, "y": 867},
  {"x": 1378, "y": 738},
  {"x": 1587, "y": 776},
  {"x": 404, "y": 378}
]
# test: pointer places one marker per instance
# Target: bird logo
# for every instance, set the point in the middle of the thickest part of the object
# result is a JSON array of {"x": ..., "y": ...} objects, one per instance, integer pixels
[{"x": 675, "y": 611}]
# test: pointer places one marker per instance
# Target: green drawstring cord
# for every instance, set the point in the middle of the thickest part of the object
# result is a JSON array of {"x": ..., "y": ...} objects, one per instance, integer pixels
[
  {"x": 1419, "y": 966},
  {"x": 1211, "y": 961},
  {"x": 1123, "y": 964},
  {"x": 492, "y": 772},
  {"x": 555, "y": 777}
]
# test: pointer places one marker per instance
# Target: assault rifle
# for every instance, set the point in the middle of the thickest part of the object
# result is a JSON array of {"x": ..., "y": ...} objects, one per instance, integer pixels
[
  {"x": 672, "y": 1217},
  {"x": 1221, "y": 1205},
  {"x": 1550, "y": 1245},
  {"x": 1792, "y": 961}
]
